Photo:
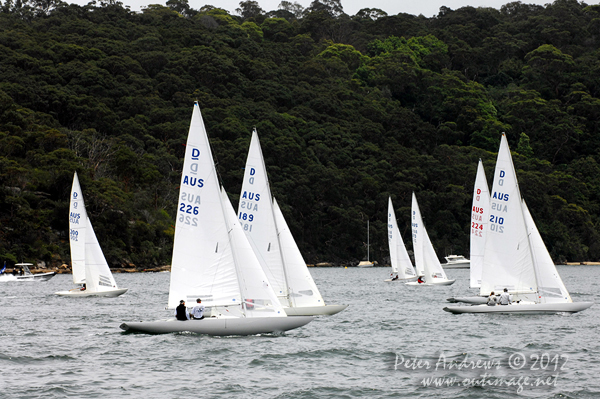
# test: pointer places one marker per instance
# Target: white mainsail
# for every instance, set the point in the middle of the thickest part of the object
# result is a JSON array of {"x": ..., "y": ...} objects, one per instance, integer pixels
[
  {"x": 507, "y": 261},
  {"x": 426, "y": 260},
  {"x": 399, "y": 258},
  {"x": 551, "y": 288},
  {"x": 479, "y": 221},
  {"x": 255, "y": 213},
  {"x": 77, "y": 228},
  {"x": 212, "y": 259}
]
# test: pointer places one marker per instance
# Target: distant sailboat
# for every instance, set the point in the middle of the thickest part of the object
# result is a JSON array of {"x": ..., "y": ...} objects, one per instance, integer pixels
[
  {"x": 90, "y": 269},
  {"x": 427, "y": 264},
  {"x": 515, "y": 256},
  {"x": 273, "y": 243},
  {"x": 212, "y": 258},
  {"x": 402, "y": 268},
  {"x": 367, "y": 263}
]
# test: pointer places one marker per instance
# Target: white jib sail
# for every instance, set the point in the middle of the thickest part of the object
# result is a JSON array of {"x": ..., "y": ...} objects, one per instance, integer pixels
[
  {"x": 507, "y": 261},
  {"x": 302, "y": 288},
  {"x": 399, "y": 258},
  {"x": 433, "y": 267},
  {"x": 255, "y": 213},
  {"x": 479, "y": 224},
  {"x": 77, "y": 227},
  {"x": 417, "y": 237},
  {"x": 202, "y": 265},
  {"x": 98, "y": 276},
  {"x": 258, "y": 296},
  {"x": 551, "y": 288}
]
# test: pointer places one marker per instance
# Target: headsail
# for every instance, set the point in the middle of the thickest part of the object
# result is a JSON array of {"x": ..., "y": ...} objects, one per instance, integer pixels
[{"x": 551, "y": 288}]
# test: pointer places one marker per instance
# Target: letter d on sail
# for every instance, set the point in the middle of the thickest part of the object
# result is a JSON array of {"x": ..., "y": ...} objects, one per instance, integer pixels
[{"x": 195, "y": 154}]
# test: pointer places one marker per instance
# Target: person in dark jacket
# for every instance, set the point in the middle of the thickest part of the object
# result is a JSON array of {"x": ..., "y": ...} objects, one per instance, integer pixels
[{"x": 181, "y": 312}]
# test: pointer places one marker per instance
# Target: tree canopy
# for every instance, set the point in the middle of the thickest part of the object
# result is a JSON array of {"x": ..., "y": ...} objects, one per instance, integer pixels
[{"x": 350, "y": 110}]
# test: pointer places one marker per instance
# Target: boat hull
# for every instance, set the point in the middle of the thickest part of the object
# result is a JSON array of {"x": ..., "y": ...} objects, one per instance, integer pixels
[
  {"x": 441, "y": 282},
  {"x": 220, "y": 326},
  {"x": 519, "y": 308},
  {"x": 403, "y": 280},
  {"x": 473, "y": 300},
  {"x": 28, "y": 277},
  {"x": 458, "y": 265},
  {"x": 85, "y": 293},
  {"x": 326, "y": 310}
]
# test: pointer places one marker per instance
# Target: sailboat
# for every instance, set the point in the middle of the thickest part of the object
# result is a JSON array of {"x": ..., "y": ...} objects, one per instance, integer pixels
[
  {"x": 90, "y": 269},
  {"x": 402, "y": 268},
  {"x": 427, "y": 264},
  {"x": 515, "y": 256},
  {"x": 273, "y": 243},
  {"x": 212, "y": 258},
  {"x": 367, "y": 263},
  {"x": 479, "y": 222}
]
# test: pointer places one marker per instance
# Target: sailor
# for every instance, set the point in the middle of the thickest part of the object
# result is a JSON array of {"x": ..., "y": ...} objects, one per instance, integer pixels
[
  {"x": 505, "y": 298},
  {"x": 420, "y": 280},
  {"x": 181, "y": 312},
  {"x": 198, "y": 311},
  {"x": 395, "y": 277},
  {"x": 492, "y": 299}
]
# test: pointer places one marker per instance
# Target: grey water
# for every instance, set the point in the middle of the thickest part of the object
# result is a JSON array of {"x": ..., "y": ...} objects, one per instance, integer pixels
[{"x": 392, "y": 341}]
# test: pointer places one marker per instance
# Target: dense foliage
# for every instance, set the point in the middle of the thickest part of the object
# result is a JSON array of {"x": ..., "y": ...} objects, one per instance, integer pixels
[{"x": 349, "y": 109}]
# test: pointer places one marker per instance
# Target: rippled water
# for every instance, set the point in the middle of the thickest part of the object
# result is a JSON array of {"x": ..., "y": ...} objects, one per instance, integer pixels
[{"x": 389, "y": 341}]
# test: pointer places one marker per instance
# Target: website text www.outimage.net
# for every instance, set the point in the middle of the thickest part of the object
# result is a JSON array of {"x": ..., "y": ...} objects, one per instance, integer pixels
[{"x": 518, "y": 370}]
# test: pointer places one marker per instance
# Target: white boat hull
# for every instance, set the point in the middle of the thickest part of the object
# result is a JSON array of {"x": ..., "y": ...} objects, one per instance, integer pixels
[
  {"x": 522, "y": 308},
  {"x": 473, "y": 300},
  {"x": 80, "y": 294},
  {"x": 28, "y": 277},
  {"x": 441, "y": 282},
  {"x": 461, "y": 265},
  {"x": 326, "y": 310},
  {"x": 220, "y": 326}
]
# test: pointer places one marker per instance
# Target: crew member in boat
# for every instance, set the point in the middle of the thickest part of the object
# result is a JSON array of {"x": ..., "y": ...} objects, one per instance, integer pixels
[
  {"x": 198, "y": 310},
  {"x": 420, "y": 280},
  {"x": 393, "y": 277},
  {"x": 505, "y": 298},
  {"x": 181, "y": 312},
  {"x": 492, "y": 299},
  {"x": 83, "y": 287}
]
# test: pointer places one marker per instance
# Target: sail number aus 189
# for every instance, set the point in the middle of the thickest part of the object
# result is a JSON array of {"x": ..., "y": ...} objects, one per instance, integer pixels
[{"x": 246, "y": 216}]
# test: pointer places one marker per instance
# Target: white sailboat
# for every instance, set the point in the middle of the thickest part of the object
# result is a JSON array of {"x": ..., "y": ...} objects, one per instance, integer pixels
[
  {"x": 275, "y": 247},
  {"x": 367, "y": 263},
  {"x": 479, "y": 222},
  {"x": 402, "y": 268},
  {"x": 213, "y": 260},
  {"x": 515, "y": 256},
  {"x": 427, "y": 264},
  {"x": 90, "y": 269}
]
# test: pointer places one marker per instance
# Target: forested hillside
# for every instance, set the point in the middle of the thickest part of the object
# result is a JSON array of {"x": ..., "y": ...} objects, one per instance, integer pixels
[{"x": 349, "y": 110}]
